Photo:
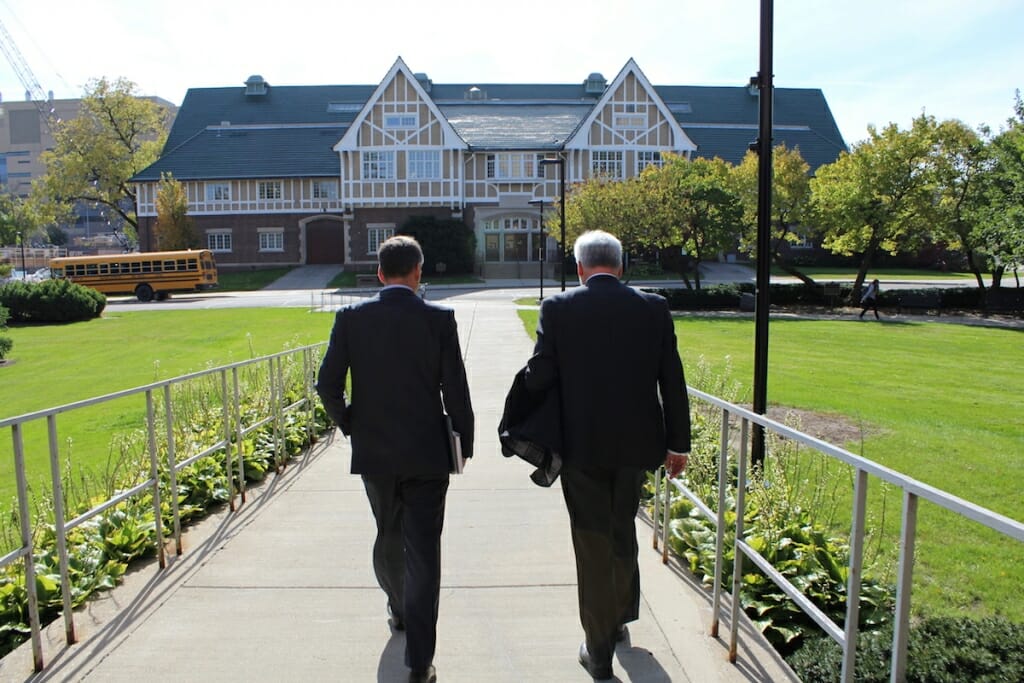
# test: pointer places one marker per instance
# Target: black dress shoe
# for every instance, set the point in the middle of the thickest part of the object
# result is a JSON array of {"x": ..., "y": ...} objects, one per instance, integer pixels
[
  {"x": 599, "y": 672},
  {"x": 428, "y": 675}
]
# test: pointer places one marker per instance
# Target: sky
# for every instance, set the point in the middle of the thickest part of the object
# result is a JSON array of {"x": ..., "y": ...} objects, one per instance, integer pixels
[{"x": 877, "y": 61}]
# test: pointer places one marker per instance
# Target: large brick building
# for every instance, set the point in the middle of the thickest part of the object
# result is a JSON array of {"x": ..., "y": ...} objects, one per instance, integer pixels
[{"x": 322, "y": 174}]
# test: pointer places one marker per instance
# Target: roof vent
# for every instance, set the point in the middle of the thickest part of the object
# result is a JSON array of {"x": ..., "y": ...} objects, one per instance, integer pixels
[
  {"x": 476, "y": 93},
  {"x": 424, "y": 80},
  {"x": 255, "y": 85},
  {"x": 595, "y": 84}
]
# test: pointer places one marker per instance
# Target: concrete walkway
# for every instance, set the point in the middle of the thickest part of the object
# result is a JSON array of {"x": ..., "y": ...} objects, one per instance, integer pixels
[{"x": 283, "y": 590}]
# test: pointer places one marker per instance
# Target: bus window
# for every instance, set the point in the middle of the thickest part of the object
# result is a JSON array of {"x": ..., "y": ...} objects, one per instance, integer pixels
[
  {"x": 136, "y": 267},
  {"x": 104, "y": 269},
  {"x": 90, "y": 269}
]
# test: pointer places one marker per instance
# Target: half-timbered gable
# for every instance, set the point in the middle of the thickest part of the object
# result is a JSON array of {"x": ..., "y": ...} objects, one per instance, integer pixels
[{"x": 627, "y": 130}]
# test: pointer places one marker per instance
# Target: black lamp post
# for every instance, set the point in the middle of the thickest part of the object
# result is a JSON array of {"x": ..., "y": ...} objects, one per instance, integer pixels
[
  {"x": 21, "y": 240},
  {"x": 540, "y": 202},
  {"x": 763, "y": 81},
  {"x": 561, "y": 201}
]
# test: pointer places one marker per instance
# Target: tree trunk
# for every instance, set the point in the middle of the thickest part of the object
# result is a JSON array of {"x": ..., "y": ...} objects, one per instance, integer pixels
[
  {"x": 865, "y": 265},
  {"x": 975, "y": 269},
  {"x": 997, "y": 276},
  {"x": 792, "y": 270}
]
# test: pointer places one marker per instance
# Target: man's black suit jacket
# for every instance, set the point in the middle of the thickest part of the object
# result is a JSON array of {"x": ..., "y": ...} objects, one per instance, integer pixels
[
  {"x": 612, "y": 352},
  {"x": 404, "y": 355}
]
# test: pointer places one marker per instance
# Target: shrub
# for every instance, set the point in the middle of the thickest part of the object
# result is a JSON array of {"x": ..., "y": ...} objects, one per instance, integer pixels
[
  {"x": 939, "y": 650},
  {"x": 51, "y": 301},
  {"x": 5, "y": 342},
  {"x": 446, "y": 241},
  {"x": 716, "y": 297}
]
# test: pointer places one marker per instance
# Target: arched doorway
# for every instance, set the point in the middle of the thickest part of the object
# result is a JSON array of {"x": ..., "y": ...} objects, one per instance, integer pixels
[{"x": 324, "y": 240}]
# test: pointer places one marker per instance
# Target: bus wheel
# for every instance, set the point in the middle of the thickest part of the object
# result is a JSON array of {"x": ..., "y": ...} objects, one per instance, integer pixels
[{"x": 144, "y": 293}]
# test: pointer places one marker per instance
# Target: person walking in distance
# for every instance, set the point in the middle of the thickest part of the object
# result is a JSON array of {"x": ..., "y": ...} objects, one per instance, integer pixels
[
  {"x": 406, "y": 372},
  {"x": 870, "y": 299},
  {"x": 611, "y": 351}
]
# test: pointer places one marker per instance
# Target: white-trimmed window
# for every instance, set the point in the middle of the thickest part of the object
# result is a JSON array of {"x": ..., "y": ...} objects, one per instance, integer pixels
[
  {"x": 218, "y": 192},
  {"x": 271, "y": 239},
  {"x": 218, "y": 240},
  {"x": 270, "y": 189},
  {"x": 629, "y": 116},
  {"x": 379, "y": 165},
  {"x": 606, "y": 163},
  {"x": 325, "y": 189},
  {"x": 645, "y": 159},
  {"x": 375, "y": 234},
  {"x": 514, "y": 166},
  {"x": 423, "y": 164},
  {"x": 398, "y": 121}
]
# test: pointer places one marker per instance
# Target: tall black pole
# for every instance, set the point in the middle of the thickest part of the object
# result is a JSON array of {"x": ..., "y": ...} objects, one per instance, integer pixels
[
  {"x": 764, "y": 223},
  {"x": 561, "y": 204},
  {"x": 560, "y": 161},
  {"x": 21, "y": 240},
  {"x": 543, "y": 245}
]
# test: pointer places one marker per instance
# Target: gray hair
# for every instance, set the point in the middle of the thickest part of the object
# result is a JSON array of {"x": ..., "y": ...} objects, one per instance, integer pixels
[{"x": 598, "y": 249}]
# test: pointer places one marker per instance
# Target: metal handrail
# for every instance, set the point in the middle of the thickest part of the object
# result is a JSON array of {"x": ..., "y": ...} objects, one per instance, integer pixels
[
  {"x": 913, "y": 491},
  {"x": 234, "y": 433}
]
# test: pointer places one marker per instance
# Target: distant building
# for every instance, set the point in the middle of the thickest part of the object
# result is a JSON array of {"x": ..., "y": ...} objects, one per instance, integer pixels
[
  {"x": 25, "y": 135},
  {"x": 323, "y": 174}
]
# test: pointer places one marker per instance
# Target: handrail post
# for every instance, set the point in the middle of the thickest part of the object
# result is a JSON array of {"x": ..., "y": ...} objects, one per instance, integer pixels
[
  {"x": 59, "y": 519},
  {"x": 723, "y": 482},
  {"x": 904, "y": 583},
  {"x": 657, "y": 506},
  {"x": 154, "y": 473},
  {"x": 737, "y": 567},
  {"x": 239, "y": 437},
  {"x": 853, "y": 580},
  {"x": 226, "y": 418},
  {"x": 28, "y": 547},
  {"x": 172, "y": 468}
]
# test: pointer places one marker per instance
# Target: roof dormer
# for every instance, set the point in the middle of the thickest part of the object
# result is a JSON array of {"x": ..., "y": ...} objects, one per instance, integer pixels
[{"x": 255, "y": 86}]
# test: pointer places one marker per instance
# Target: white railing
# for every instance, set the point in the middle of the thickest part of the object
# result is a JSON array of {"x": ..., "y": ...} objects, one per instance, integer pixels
[
  {"x": 270, "y": 369},
  {"x": 913, "y": 491}
]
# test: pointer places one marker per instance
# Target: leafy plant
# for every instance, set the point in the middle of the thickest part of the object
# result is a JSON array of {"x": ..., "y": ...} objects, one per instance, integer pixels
[{"x": 939, "y": 650}]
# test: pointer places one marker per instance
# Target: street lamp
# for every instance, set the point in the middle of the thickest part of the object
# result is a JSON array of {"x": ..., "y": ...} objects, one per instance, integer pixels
[
  {"x": 543, "y": 246},
  {"x": 560, "y": 161}
]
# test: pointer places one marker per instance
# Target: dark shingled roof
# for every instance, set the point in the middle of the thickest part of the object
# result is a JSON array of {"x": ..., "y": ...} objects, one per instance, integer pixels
[
  {"x": 515, "y": 126},
  {"x": 290, "y": 130}
]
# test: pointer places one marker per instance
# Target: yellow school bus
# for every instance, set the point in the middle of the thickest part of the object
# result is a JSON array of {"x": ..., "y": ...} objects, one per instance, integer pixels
[{"x": 148, "y": 275}]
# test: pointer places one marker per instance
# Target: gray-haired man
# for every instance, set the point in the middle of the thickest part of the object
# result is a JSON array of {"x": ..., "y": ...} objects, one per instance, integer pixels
[{"x": 611, "y": 350}]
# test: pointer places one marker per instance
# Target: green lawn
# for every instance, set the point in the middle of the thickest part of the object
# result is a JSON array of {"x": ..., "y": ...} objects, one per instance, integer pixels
[
  {"x": 54, "y": 365},
  {"x": 844, "y": 273},
  {"x": 249, "y": 280},
  {"x": 939, "y": 402}
]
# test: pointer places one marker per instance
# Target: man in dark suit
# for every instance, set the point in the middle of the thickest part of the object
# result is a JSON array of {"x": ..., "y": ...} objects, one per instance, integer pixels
[
  {"x": 404, "y": 357},
  {"x": 611, "y": 351}
]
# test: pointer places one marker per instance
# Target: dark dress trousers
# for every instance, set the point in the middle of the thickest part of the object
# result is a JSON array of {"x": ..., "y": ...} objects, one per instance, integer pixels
[
  {"x": 611, "y": 351},
  {"x": 404, "y": 357}
]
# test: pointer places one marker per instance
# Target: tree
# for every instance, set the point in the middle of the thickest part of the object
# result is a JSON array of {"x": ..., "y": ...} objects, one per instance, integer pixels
[
  {"x": 879, "y": 196},
  {"x": 174, "y": 228},
  {"x": 693, "y": 204},
  {"x": 1002, "y": 225},
  {"x": 116, "y": 135},
  {"x": 960, "y": 160},
  {"x": 17, "y": 216},
  {"x": 791, "y": 198}
]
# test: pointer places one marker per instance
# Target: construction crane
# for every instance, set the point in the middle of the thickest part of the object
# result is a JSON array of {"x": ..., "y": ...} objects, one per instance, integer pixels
[{"x": 33, "y": 90}]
